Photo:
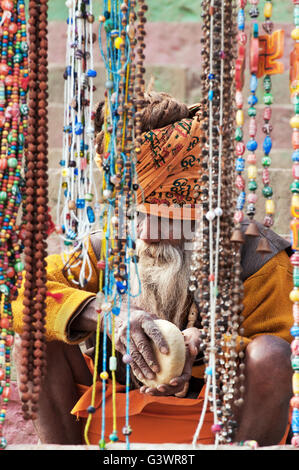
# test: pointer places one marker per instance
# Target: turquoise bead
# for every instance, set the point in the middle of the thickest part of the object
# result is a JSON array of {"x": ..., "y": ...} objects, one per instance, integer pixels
[
  {"x": 294, "y": 187},
  {"x": 295, "y": 362},
  {"x": 113, "y": 437},
  {"x": 252, "y": 185},
  {"x": 267, "y": 83},
  {"x": 251, "y": 112},
  {"x": 267, "y": 191},
  {"x": 12, "y": 162}
]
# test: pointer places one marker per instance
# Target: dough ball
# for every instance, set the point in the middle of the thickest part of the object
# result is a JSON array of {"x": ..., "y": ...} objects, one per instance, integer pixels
[{"x": 171, "y": 364}]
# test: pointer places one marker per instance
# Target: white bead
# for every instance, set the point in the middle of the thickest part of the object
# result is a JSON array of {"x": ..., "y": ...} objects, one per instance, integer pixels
[
  {"x": 114, "y": 220},
  {"x": 100, "y": 299},
  {"x": 107, "y": 193},
  {"x": 112, "y": 363},
  {"x": 90, "y": 131},
  {"x": 210, "y": 215},
  {"x": 218, "y": 212},
  {"x": 69, "y": 3}
]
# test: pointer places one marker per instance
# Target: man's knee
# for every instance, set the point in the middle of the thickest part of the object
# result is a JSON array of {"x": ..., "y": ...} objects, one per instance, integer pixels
[{"x": 268, "y": 359}]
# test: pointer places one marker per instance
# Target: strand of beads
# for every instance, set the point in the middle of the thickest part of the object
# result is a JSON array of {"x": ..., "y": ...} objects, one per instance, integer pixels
[
  {"x": 13, "y": 126},
  {"x": 212, "y": 245},
  {"x": 267, "y": 128},
  {"x": 252, "y": 144},
  {"x": 76, "y": 206},
  {"x": 36, "y": 214},
  {"x": 119, "y": 177},
  {"x": 294, "y": 295},
  {"x": 239, "y": 135}
]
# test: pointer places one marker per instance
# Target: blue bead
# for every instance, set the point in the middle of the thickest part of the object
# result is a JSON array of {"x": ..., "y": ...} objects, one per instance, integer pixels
[
  {"x": 295, "y": 330},
  {"x": 255, "y": 30},
  {"x": 210, "y": 95},
  {"x": 116, "y": 311},
  {"x": 241, "y": 200},
  {"x": 121, "y": 288},
  {"x": 295, "y": 156},
  {"x": 253, "y": 83},
  {"x": 80, "y": 203},
  {"x": 90, "y": 215},
  {"x": 91, "y": 409},
  {"x": 267, "y": 146},
  {"x": 240, "y": 164},
  {"x": 78, "y": 128},
  {"x": 241, "y": 20},
  {"x": 252, "y": 145},
  {"x": 91, "y": 73},
  {"x": 211, "y": 76},
  {"x": 295, "y": 420},
  {"x": 252, "y": 100},
  {"x": 69, "y": 70},
  {"x": 209, "y": 370}
]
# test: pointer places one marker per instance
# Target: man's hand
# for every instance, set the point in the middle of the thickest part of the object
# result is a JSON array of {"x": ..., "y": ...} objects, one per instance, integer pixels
[
  {"x": 178, "y": 386},
  {"x": 142, "y": 329}
]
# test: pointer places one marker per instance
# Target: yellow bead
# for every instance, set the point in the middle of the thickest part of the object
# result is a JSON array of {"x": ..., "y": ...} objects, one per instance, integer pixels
[
  {"x": 104, "y": 375},
  {"x": 295, "y": 205},
  {"x": 296, "y": 383},
  {"x": 268, "y": 10},
  {"x": 71, "y": 277},
  {"x": 294, "y": 122},
  {"x": 118, "y": 42},
  {"x": 252, "y": 172},
  {"x": 240, "y": 117},
  {"x": 65, "y": 172},
  {"x": 294, "y": 295},
  {"x": 295, "y": 34},
  {"x": 270, "y": 207}
]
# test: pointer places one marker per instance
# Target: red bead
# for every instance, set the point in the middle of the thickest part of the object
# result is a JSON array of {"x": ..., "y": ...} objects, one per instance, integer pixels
[
  {"x": 10, "y": 272},
  {"x": 4, "y": 68},
  {"x": 101, "y": 264},
  {"x": 5, "y": 323}
]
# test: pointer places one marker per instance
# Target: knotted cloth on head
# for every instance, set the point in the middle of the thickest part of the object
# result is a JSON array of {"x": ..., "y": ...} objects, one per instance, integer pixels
[{"x": 169, "y": 170}]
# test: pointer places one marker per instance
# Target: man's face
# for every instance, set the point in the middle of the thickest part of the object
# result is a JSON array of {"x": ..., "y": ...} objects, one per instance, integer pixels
[{"x": 152, "y": 229}]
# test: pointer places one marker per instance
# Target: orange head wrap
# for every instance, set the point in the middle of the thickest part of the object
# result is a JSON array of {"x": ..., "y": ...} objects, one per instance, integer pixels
[{"x": 169, "y": 170}]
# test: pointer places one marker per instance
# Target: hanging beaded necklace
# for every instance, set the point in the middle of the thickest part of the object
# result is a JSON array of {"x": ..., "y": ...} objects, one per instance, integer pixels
[
  {"x": 122, "y": 132},
  {"x": 77, "y": 200},
  {"x": 216, "y": 261},
  {"x": 35, "y": 213},
  {"x": 13, "y": 129},
  {"x": 294, "y": 295}
]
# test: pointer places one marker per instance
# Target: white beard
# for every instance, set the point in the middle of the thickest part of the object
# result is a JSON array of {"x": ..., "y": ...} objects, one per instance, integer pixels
[{"x": 164, "y": 272}]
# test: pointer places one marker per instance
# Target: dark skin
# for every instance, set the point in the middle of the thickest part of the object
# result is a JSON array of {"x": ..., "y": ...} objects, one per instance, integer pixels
[{"x": 268, "y": 390}]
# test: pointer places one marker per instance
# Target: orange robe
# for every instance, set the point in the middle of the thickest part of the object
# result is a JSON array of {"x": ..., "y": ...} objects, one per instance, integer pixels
[{"x": 267, "y": 310}]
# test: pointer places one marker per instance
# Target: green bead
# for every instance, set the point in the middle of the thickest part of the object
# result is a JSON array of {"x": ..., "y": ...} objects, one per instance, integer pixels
[
  {"x": 102, "y": 444},
  {"x": 296, "y": 108},
  {"x": 266, "y": 161},
  {"x": 24, "y": 46},
  {"x": 3, "y": 195},
  {"x": 267, "y": 83},
  {"x": 19, "y": 267},
  {"x": 108, "y": 25},
  {"x": 88, "y": 197},
  {"x": 4, "y": 289},
  {"x": 267, "y": 191},
  {"x": 1, "y": 390},
  {"x": 252, "y": 185},
  {"x": 21, "y": 139},
  {"x": 294, "y": 187},
  {"x": 251, "y": 112},
  {"x": 17, "y": 58},
  {"x": 68, "y": 243},
  {"x": 268, "y": 99},
  {"x": 295, "y": 362},
  {"x": 10, "y": 138},
  {"x": 238, "y": 134},
  {"x": 12, "y": 162}
]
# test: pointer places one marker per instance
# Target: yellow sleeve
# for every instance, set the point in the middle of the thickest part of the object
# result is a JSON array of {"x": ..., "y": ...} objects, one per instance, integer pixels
[{"x": 64, "y": 299}]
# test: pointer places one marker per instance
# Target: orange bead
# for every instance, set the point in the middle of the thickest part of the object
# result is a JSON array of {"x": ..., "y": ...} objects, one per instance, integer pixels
[{"x": 7, "y": 5}]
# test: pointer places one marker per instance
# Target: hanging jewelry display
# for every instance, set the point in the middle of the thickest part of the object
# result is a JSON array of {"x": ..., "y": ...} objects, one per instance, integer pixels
[
  {"x": 78, "y": 206},
  {"x": 13, "y": 129},
  {"x": 35, "y": 213},
  {"x": 294, "y": 295},
  {"x": 219, "y": 290},
  {"x": 119, "y": 186}
]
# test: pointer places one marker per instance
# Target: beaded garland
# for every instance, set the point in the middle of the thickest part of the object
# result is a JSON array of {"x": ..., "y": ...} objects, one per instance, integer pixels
[
  {"x": 216, "y": 260},
  {"x": 13, "y": 130},
  {"x": 36, "y": 214},
  {"x": 78, "y": 207},
  {"x": 294, "y": 295},
  {"x": 122, "y": 130}
]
